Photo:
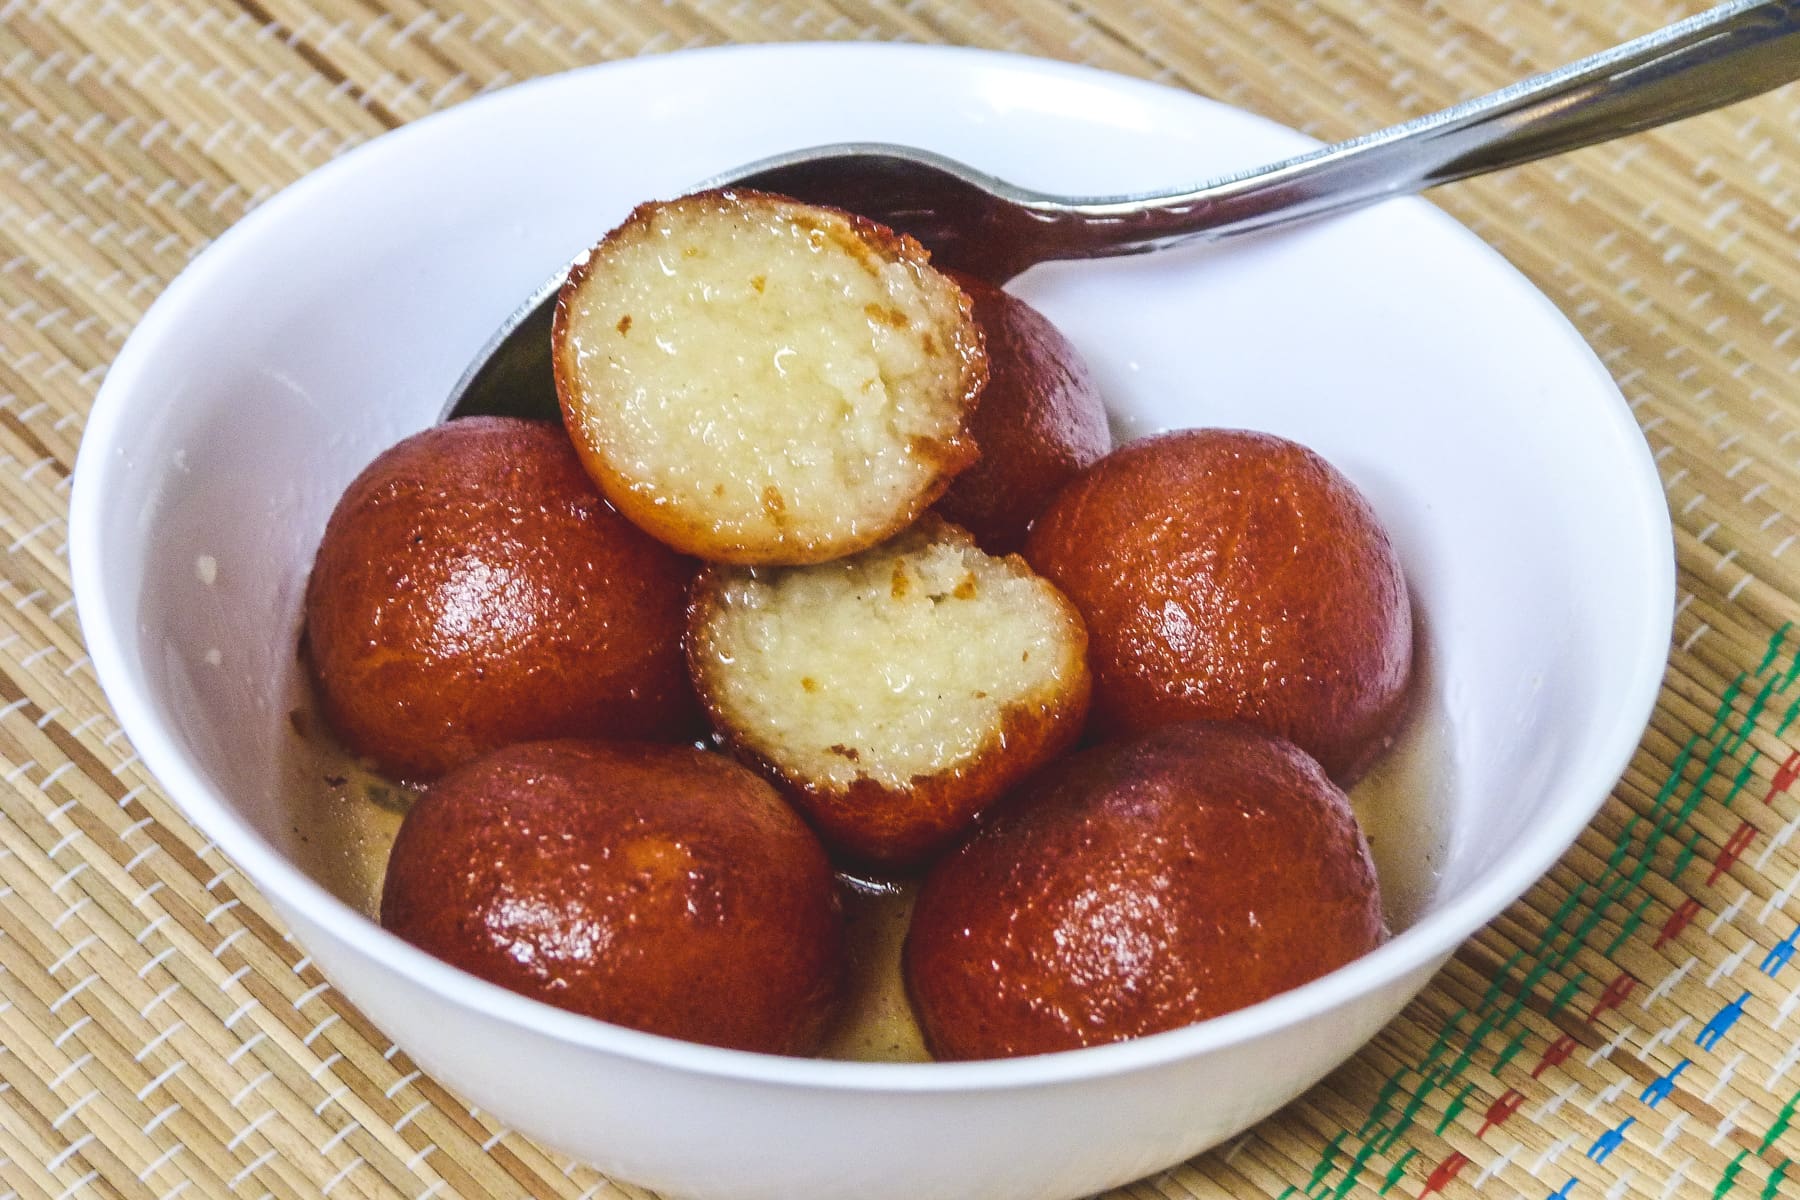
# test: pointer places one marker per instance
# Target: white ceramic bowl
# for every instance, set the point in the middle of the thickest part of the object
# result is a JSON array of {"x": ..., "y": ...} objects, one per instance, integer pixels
[{"x": 333, "y": 319}]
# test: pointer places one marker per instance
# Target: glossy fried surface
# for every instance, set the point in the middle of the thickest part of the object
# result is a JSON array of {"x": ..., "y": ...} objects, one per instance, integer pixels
[
  {"x": 1232, "y": 575},
  {"x": 1139, "y": 887},
  {"x": 473, "y": 589},
  {"x": 657, "y": 887},
  {"x": 1040, "y": 421}
]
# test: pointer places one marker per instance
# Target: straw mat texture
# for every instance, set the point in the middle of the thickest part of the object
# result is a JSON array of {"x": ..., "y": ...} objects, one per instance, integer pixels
[{"x": 1625, "y": 1030}]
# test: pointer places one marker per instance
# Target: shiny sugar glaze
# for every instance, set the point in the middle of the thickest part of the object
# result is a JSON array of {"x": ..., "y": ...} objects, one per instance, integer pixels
[{"x": 344, "y": 818}]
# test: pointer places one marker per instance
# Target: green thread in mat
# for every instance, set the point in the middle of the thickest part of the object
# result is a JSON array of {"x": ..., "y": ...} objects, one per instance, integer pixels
[
  {"x": 1384, "y": 1101},
  {"x": 1398, "y": 1171},
  {"x": 1511, "y": 1050},
  {"x": 1787, "y": 718},
  {"x": 1616, "y": 883},
  {"x": 1782, "y": 1121},
  {"x": 1793, "y": 671},
  {"x": 1686, "y": 856},
  {"x": 1728, "y": 1181},
  {"x": 1326, "y": 1158},
  {"x": 1455, "y": 1108},
  {"x": 1634, "y": 919},
  {"x": 1769, "y": 657},
  {"x": 1567, "y": 993},
  {"x": 1357, "y": 1164}
]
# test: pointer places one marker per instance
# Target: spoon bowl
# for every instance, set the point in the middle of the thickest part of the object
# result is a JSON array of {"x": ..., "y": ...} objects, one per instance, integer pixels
[{"x": 975, "y": 222}]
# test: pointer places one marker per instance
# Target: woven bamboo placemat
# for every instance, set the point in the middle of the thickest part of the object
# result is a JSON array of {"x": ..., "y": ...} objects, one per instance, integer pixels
[{"x": 1624, "y": 1030}]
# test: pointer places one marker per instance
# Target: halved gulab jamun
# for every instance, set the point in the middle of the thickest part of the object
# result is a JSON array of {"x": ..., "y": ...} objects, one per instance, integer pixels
[
  {"x": 895, "y": 694},
  {"x": 756, "y": 380}
]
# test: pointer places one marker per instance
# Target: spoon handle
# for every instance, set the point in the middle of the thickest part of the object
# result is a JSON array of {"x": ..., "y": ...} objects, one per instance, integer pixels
[{"x": 1720, "y": 56}]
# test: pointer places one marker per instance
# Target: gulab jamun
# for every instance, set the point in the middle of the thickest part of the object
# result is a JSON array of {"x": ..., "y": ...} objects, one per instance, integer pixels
[
  {"x": 893, "y": 694},
  {"x": 657, "y": 887},
  {"x": 756, "y": 380},
  {"x": 1040, "y": 421},
  {"x": 473, "y": 589},
  {"x": 1138, "y": 887},
  {"x": 1230, "y": 575}
]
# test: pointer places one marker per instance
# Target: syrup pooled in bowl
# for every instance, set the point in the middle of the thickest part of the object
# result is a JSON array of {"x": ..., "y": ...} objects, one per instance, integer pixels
[{"x": 344, "y": 817}]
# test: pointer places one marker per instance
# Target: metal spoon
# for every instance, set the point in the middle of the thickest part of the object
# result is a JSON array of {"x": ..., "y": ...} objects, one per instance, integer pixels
[{"x": 994, "y": 229}]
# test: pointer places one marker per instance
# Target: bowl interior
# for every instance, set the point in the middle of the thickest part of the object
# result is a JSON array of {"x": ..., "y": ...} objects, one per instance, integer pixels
[{"x": 334, "y": 319}]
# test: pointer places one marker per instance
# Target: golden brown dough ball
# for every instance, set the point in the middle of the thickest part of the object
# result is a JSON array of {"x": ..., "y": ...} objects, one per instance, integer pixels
[
  {"x": 756, "y": 380},
  {"x": 656, "y": 887},
  {"x": 1139, "y": 887},
  {"x": 1232, "y": 575},
  {"x": 473, "y": 589},
  {"x": 893, "y": 694},
  {"x": 1040, "y": 421}
]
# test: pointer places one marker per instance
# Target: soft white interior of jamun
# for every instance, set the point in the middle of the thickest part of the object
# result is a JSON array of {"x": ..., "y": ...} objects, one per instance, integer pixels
[
  {"x": 769, "y": 367},
  {"x": 894, "y": 663}
]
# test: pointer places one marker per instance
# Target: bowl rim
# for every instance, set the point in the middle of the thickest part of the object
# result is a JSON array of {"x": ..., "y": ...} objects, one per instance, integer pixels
[{"x": 1577, "y": 796}]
